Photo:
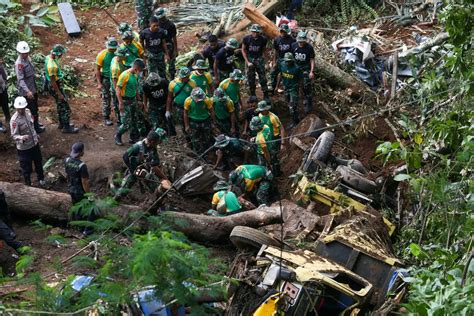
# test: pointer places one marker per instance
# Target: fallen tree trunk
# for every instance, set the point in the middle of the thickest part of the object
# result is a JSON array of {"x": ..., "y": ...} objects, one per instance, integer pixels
[
  {"x": 54, "y": 206},
  {"x": 265, "y": 8},
  {"x": 256, "y": 16}
]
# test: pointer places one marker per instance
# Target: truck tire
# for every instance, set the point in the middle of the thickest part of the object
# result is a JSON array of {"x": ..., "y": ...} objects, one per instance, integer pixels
[
  {"x": 309, "y": 126},
  {"x": 320, "y": 150},
  {"x": 245, "y": 237},
  {"x": 356, "y": 180},
  {"x": 354, "y": 164}
]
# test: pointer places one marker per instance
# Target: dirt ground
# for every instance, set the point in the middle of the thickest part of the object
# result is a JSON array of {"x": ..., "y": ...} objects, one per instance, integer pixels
[{"x": 101, "y": 154}]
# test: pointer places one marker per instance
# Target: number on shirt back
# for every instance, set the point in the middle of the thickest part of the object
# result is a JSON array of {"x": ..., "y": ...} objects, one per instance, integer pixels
[
  {"x": 158, "y": 94},
  {"x": 229, "y": 60},
  {"x": 253, "y": 48},
  {"x": 300, "y": 56}
]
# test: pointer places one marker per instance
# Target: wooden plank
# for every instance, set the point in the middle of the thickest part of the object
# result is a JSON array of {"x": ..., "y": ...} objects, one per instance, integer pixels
[{"x": 69, "y": 19}]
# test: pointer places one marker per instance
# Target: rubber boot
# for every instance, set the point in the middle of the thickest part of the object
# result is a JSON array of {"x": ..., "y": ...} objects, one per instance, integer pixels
[
  {"x": 70, "y": 130},
  {"x": 27, "y": 180},
  {"x": 308, "y": 105},
  {"x": 38, "y": 127}
]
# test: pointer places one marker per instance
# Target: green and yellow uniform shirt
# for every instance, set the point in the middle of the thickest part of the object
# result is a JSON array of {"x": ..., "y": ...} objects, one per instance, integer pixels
[
  {"x": 231, "y": 89},
  {"x": 203, "y": 81},
  {"x": 135, "y": 50},
  {"x": 223, "y": 109},
  {"x": 128, "y": 83},
  {"x": 252, "y": 174},
  {"x": 262, "y": 140},
  {"x": 231, "y": 201},
  {"x": 116, "y": 69},
  {"x": 273, "y": 122},
  {"x": 103, "y": 60},
  {"x": 198, "y": 111},
  {"x": 290, "y": 75},
  {"x": 184, "y": 93},
  {"x": 52, "y": 69}
]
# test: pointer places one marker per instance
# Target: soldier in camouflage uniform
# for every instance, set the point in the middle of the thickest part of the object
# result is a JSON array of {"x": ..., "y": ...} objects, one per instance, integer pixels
[
  {"x": 153, "y": 39},
  {"x": 304, "y": 57},
  {"x": 103, "y": 62},
  {"x": 143, "y": 9},
  {"x": 155, "y": 95},
  {"x": 198, "y": 112},
  {"x": 117, "y": 66},
  {"x": 142, "y": 155},
  {"x": 225, "y": 112},
  {"x": 54, "y": 76},
  {"x": 169, "y": 28},
  {"x": 127, "y": 95},
  {"x": 254, "y": 47},
  {"x": 291, "y": 75}
]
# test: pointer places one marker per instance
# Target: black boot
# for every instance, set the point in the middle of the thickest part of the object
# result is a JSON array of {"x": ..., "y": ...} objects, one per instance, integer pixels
[
  {"x": 27, "y": 180},
  {"x": 70, "y": 130},
  {"x": 38, "y": 128}
]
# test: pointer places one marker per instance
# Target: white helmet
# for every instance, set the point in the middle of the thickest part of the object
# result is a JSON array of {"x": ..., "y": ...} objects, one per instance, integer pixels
[
  {"x": 20, "y": 103},
  {"x": 22, "y": 47}
]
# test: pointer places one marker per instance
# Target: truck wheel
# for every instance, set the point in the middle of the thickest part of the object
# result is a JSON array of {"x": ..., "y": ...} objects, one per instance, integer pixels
[
  {"x": 356, "y": 180},
  {"x": 320, "y": 150},
  {"x": 309, "y": 126},
  {"x": 245, "y": 237},
  {"x": 354, "y": 164}
]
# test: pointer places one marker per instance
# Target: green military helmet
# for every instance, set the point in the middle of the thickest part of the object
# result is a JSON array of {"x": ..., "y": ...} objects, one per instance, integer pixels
[
  {"x": 127, "y": 35},
  {"x": 289, "y": 57},
  {"x": 221, "y": 185},
  {"x": 237, "y": 75},
  {"x": 198, "y": 94},
  {"x": 153, "y": 79},
  {"x": 112, "y": 43},
  {"x": 200, "y": 64},
  {"x": 219, "y": 93},
  {"x": 302, "y": 36},
  {"x": 256, "y": 123},
  {"x": 161, "y": 133},
  {"x": 285, "y": 28},
  {"x": 184, "y": 72},
  {"x": 232, "y": 43},
  {"x": 235, "y": 178},
  {"x": 122, "y": 52},
  {"x": 160, "y": 13},
  {"x": 124, "y": 27},
  {"x": 58, "y": 49},
  {"x": 256, "y": 28},
  {"x": 263, "y": 106},
  {"x": 221, "y": 141}
]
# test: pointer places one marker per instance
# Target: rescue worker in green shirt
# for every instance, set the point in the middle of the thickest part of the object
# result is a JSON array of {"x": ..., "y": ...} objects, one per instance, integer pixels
[
  {"x": 263, "y": 141},
  {"x": 142, "y": 161},
  {"x": 134, "y": 48},
  {"x": 277, "y": 131},
  {"x": 179, "y": 90},
  {"x": 231, "y": 87},
  {"x": 117, "y": 66},
  {"x": 291, "y": 76},
  {"x": 53, "y": 77},
  {"x": 224, "y": 201},
  {"x": 128, "y": 95},
  {"x": 225, "y": 112},
  {"x": 198, "y": 113},
  {"x": 253, "y": 182},
  {"x": 102, "y": 74},
  {"x": 124, "y": 27},
  {"x": 202, "y": 77}
]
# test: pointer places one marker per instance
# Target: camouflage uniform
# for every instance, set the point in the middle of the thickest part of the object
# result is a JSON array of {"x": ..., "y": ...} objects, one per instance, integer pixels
[
  {"x": 254, "y": 49},
  {"x": 199, "y": 122},
  {"x": 143, "y": 9},
  {"x": 130, "y": 119}
]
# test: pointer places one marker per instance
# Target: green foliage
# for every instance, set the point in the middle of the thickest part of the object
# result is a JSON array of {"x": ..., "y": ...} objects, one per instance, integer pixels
[
  {"x": 90, "y": 205},
  {"x": 437, "y": 289},
  {"x": 332, "y": 12}
]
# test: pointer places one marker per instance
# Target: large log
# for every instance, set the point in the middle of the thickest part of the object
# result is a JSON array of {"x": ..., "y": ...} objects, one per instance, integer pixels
[
  {"x": 266, "y": 7},
  {"x": 256, "y": 15},
  {"x": 54, "y": 206}
]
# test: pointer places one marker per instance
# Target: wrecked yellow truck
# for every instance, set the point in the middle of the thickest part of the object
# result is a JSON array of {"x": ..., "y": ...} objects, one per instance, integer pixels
[{"x": 348, "y": 270}]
